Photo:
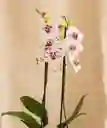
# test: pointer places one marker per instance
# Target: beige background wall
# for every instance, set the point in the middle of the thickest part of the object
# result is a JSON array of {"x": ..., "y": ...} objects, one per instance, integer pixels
[
  {"x": 104, "y": 45},
  {"x": 19, "y": 74}
]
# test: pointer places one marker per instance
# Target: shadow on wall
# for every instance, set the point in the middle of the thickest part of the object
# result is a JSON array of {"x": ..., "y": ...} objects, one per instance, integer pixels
[{"x": 86, "y": 15}]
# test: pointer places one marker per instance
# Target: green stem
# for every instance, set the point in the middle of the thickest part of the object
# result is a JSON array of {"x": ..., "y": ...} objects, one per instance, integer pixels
[
  {"x": 44, "y": 94},
  {"x": 63, "y": 88}
]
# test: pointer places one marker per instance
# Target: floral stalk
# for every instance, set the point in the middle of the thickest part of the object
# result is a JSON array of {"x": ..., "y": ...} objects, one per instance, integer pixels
[
  {"x": 63, "y": 91},
  {"x": 44, "y": 94}
]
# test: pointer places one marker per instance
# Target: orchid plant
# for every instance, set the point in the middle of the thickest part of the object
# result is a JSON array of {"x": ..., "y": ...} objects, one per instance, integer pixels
[{"x": 63, "y": 41}]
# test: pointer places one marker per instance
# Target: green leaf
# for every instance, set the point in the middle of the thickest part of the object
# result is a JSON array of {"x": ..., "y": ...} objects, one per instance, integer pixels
[
  {"x": 79, "y": 106},
  {"x": 75, "y": 113},
  {"x": 24, "y": 117},
  {"x": 35, "y": 107},
  {"x": 30, "y": 124},
  {"x": 80, "y": 114},
  {"x": 64, "y": 124}
]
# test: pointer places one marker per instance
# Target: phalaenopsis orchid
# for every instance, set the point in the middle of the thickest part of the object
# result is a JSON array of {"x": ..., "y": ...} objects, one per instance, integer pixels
[{"x": 62, "y": 39}]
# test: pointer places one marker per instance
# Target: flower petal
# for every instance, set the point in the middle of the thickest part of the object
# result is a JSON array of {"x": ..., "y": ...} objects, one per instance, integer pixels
[
  {"x": 74, "y": 34},
  {"x": 75, "y": 63},
  {"x": 53, "y": 33}
]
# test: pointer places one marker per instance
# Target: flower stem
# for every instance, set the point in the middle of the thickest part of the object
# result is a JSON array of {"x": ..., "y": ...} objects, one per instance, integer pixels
[
  {"x": 44, "y": 94},
  {"x": 63, "y": 91}
]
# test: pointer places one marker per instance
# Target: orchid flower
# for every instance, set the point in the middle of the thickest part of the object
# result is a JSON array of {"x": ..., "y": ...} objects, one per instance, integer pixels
[
  {"x": 73, "y": 41},
  {"x": 62, "y": 39}
]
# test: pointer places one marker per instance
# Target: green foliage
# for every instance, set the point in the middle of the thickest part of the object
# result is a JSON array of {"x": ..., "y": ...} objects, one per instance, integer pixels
[
  {"x": 76, "y": 113},
  {"x": 24, "y": 117},
  {"x": 37, "y": 109}
]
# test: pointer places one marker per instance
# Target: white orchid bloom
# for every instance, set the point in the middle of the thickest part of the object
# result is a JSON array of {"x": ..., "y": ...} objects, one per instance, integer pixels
[
  {"x": 71, "y": 46},
  {"x": 74, "y": 46}
]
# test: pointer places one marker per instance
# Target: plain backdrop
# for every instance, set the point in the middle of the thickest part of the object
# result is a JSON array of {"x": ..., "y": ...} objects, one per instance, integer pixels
[{"x": 20, "y": 37}]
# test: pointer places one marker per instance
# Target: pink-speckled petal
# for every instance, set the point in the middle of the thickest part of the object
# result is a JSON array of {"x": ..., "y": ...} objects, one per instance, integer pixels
[
  {"x": 74, "y": 34},
  {"x": 53, "y": 34}
]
